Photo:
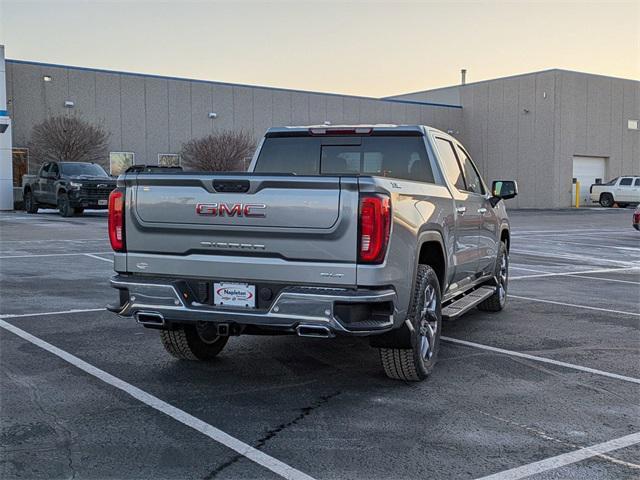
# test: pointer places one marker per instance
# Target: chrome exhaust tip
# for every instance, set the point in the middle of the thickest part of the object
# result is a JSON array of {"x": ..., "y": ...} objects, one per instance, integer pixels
[
  {"x": 149, "y": 318},
  {"x": 314, "y": 331}
]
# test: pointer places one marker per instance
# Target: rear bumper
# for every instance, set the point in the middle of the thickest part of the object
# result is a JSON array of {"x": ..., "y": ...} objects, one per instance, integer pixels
[{"x": 338, "y": 310}]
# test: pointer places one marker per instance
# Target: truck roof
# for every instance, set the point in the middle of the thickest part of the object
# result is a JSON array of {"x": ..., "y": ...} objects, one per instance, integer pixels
[{"x": 389, "y": 128}]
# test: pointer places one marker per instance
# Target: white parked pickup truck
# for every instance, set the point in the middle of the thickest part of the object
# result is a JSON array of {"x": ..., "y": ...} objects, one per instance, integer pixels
[{"x": 621, "y": 190}]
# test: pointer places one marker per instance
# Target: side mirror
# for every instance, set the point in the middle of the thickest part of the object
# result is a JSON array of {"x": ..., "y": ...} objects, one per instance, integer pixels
[{"x": 503, "y": 190}]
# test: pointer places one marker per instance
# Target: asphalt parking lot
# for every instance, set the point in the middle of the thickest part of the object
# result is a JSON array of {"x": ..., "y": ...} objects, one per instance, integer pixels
[{"x": 85, "y": 394}]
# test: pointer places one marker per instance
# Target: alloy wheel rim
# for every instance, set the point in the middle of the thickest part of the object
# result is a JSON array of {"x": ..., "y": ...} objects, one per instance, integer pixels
[
  {"x": 428, "y": 323},
  {"x": 503, "y": 278}
]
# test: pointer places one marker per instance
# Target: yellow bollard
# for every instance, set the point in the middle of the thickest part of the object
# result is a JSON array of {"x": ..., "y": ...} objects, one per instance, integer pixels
[{"x": 577, "y": 194}]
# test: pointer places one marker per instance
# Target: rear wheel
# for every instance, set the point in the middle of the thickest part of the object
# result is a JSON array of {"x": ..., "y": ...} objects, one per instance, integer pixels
[
  {"x": 415, "y": 362},
  {"x": 189, "y": 342},
  {"x": 498, "y": 300},
  {"x": 30, "y": 205},
  {"x": 64, "y": 207},
  {"x": 606, "y": 200}
]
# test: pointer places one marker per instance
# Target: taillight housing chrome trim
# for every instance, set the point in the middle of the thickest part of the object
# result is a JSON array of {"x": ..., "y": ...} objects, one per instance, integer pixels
[
  {"x": 116, "y": 221},
  {"x": 374, "y": 226}
]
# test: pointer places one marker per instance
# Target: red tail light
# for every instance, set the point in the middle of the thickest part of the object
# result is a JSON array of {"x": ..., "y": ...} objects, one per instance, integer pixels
[
  {"x": 375, "y": 223},
  {"x": 116, "y": 220}
]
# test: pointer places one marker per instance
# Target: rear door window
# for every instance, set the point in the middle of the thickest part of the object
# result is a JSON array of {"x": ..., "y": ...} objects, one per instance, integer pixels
[
  {"x": 450, "y": 163},
  {"x": 471, "y": 175},
  {"x": 626, "y": 182},
  {"x": 44, "y": 170}
]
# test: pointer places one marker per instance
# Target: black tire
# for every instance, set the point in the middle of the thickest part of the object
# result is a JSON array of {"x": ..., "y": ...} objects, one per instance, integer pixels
[
  {"x": 498, "y": 300},
  {"x": 78, "y": 211},
  {"x": 30, "y": 205},
  {"x": 188, "y": 342},
  {"x": 64, "y": 207},
  {"x": 606, "y": 200},
  {"x": 414, "y": 364}
]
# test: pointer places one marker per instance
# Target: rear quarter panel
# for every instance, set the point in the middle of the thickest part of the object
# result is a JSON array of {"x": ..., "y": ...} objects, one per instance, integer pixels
[{"x": 417, "y": 208}]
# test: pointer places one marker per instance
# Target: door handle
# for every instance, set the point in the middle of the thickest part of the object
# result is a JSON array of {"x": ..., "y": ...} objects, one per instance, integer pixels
[
  {"x": 482, "y": 210},
  {"x": 461, "y": 210}
]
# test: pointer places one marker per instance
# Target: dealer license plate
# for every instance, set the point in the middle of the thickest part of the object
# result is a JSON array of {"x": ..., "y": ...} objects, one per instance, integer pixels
[
  {"x": 102, "y": 202},
  {"x": 234, "y": 294}
]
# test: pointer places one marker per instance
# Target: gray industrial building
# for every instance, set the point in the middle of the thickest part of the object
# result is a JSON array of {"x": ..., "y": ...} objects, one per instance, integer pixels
[
  {"x": 541, "y": 128},
  {"x": 547, "y": 128}
]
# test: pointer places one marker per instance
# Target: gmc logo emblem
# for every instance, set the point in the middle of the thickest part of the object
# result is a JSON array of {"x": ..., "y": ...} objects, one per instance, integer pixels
[{"x": 251, "y": 210}]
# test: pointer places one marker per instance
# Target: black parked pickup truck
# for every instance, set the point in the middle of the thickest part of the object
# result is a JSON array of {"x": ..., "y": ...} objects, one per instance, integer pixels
[{"x": 68, "y": 186}]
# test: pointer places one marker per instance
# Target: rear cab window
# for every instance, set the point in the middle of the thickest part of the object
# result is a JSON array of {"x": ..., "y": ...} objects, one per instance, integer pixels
[
  {"x": 394, "y": 156},
  {"x": 626, "y": 182}
]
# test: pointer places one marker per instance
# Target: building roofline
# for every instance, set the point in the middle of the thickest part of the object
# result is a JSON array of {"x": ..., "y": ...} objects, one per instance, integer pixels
[
  {"x": 549, "y": 70},
  {"x": 213, "y": 82}
]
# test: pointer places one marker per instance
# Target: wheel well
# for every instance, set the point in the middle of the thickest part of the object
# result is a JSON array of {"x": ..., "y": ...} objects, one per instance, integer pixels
[
  {"x": 431, "y": 254},
  {"x": 505, "y": 237}
]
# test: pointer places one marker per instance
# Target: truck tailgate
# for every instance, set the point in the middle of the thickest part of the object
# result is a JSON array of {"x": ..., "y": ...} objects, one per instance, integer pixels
[{"x": 201, "y": 221}]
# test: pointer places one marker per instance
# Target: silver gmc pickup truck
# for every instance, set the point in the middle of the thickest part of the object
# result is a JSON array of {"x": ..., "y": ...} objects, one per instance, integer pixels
[{"x": 374, "y": 230}]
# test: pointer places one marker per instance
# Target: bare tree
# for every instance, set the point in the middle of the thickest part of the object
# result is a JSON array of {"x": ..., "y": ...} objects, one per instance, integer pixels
[
  {"x": 224, "y": 151},
  {"x": 69, "y": 139}
]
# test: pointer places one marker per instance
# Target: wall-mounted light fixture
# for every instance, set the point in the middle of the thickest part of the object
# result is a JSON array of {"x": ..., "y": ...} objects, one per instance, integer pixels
[
  {"x": 525, "y": 110},
  {"x": 213, "y": 115},
  {"x": 68, "y": 104},
  {"x": 327, "y": 122},
  {"x": 47, "y": 78}
]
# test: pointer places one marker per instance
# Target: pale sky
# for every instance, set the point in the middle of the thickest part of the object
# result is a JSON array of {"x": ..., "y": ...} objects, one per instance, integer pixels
[{"x": 370, "y": 48}]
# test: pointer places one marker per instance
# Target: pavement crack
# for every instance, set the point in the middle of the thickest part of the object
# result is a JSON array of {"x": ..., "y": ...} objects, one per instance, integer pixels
[
  {"x": 35, "y": 398},
  {"x": 272, "y": 433}
]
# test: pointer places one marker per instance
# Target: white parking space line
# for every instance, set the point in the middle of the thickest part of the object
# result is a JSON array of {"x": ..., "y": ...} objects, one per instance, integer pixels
[
  {"x": 53, "y": 255},
  {"x": 99, "y": 258},
  {"x": 514, "y": 267},
  {"x": 565, "y": 459},
  {"x": 608, "y": 247},
  {"x": 615, "y": 280},
  {"x": 181, "y": 416},
  {"x": 22, "y": 315},
  {"x": 577, "y": 231},
  {"x": 621, "y": 312},
  {"x": 513, "y": 353},
  {"x": 578, "y": 272},
  {"x": 594, "y": 260}
]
